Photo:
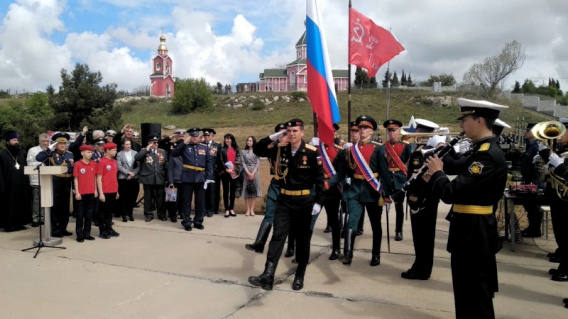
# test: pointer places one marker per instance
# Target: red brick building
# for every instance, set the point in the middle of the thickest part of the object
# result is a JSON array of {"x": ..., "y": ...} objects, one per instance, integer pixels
[
  {"x": 295, "y": 76},
  {"x": 161, "y": 80}
]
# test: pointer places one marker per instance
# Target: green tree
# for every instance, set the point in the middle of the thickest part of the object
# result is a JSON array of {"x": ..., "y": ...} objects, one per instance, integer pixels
[
  {"x": 82, "y": 100},
  {"x": 361, "y": 77},
  {"x": 219, "y": 88},
  {"x": 528, "y": 87},
  {"x": 191, "y": 95},
  {"x": 403, "y": 78},
  {"x": 29, "y": 117},
  {"x": 409, "y": 80},
  {"x": 517, "y": 88},
  {"x": 387, "y": 79},
  {"x": 395, "y": 82},
  {"x": 445, "y": 79}
]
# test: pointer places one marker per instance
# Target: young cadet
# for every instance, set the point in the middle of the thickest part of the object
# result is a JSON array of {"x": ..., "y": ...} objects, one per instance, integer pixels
[
  {"x": 472, "y": 240},
  {"x": 84, "y": 183},
  {"x": 267, "y": 147},
  {"x": 107, "y": 184},
  {"x": 297, "y": 202}
]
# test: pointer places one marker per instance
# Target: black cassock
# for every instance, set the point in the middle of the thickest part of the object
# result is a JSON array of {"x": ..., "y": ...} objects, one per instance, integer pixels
[{"x": 15, "y": 190}]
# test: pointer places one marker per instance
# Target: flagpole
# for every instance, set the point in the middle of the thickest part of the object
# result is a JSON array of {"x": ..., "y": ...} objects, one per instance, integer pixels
[
  {"x": 315, "y": 119},
  {"x": 388, "y": 86},
  {"x": 348, "y": 76}
]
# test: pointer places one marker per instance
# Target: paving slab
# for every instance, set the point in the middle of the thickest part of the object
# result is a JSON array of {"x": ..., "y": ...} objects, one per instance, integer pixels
[{"x": 158, "y": 270}]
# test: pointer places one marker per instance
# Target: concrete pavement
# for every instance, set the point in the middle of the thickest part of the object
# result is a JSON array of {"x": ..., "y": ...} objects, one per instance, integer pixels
[{"x": 158, "y": 270}]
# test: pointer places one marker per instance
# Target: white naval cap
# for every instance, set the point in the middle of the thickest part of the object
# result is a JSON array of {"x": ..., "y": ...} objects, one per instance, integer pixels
[
  {"x": 501, "y": 123},
  {"x": 480, "y": 108},
  {"x": 426, "y": 125}
]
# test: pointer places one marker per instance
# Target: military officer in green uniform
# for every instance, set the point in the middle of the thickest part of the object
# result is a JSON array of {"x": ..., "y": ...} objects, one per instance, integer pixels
[
  {"x": 472, "y": 240},
  {"x": 361, "y": 167},
  {"x": 301, "y": 196},
  {"x": 269, "y": 147},
  {"x": 212, "y": 194}
]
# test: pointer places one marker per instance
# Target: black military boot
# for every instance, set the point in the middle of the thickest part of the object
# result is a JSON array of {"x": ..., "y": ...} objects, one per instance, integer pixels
[
  {"x": 261, "y": 237},
  {"x": 266, "y": 279},
  {"x": 298, "y": 282},
  {"x": 335, "y": 247},
  {"x": 348, "y": 246}
]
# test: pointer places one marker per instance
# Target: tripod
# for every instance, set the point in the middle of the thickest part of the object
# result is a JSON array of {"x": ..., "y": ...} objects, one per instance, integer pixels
[{"x": 40, "y": 243}]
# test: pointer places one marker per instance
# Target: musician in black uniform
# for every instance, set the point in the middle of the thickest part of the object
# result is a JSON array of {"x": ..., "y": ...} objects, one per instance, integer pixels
[
  {"x": 302, "y": 176},
  {"x": 472, "y": 239},
  {"x": 423, "y": 205}
]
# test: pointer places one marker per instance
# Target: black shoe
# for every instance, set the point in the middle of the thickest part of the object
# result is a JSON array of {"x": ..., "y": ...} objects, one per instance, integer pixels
[
  {"x": 131, "y": 218},
  {"x": 255, "y": 247},
  {"x": 149, "y": 218},
  {"x": 359, "y": 232},
  {"x": 375, "y": 261},
  {"x": 261, "y": 237},
  {"x": 559, "y": 277},
  {"x": 104, "y": 236},
  {"x": 334, "y": 254},
  {"x": 552, "y": 271},
  {"x": 210, "y": 214},
  {"x": 89, "y": 237},
  {"x": 113, "y": 233},
  {"x": 413, "y": 275},
  {"x": 565, "y": 300},
  {"x": 266, "y": 279},
  {"x": 56, "y": 233},
  {"x": 531, "y": 234},
  {"x": 124, "y": 219},
  {"x": 163, "y": 218},
  {"x": 174, "y": 219},
  {"x": 187, "y": 228},
  {"x": 80, "y": 239},
  {"x": 327, "y": 229},
  {"x": 398, "y": 236},
  {"x": 298, "y": 282},
  {"x": 35, "y": 224},
  {"x": 199, "y": 226},
  {"x": 66, "y": 233}
]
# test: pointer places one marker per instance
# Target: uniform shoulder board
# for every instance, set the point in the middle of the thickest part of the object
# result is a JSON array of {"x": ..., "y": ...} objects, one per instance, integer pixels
[
  {"x": 311, "y": 148},
  {"x": 484, "y": 147}
]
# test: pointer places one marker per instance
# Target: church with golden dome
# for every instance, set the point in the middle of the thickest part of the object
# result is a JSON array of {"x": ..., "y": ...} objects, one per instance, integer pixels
[{"x": 161, "y": 80}]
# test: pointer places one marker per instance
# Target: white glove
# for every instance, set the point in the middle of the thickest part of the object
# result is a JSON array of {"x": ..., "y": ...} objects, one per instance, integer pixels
[
  {"x": 209, "y": 181},
  {"x": 348, "y": 180},
  {"x": 347, "y": 145},
  {"x": 555, "y": 160},
  {"x": 435, "y": 140},
  {"x": 536, "y": 159},
  {"x": 463, "y": 146},
  {"x": 277, "y": 135},
  {"x": 52, "y": 146},
  {"x": 316, "y": 209},
  {"x": 315, "y": 141},
  {"x": 542, "y": 146}
]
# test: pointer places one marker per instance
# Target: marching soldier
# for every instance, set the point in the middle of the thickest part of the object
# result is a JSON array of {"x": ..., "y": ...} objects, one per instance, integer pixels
[
  {"x": 59, "y": 156},
  {"x": 361, "y": 166},
  {"x": 197, "y": 174},
  {"x": 472, "y": 239},
  {"x": 423, "y": 206},
  {"x": 212, "y": 194},
  {"x": 271, "y": 149},
  {"x": 397, "y": 154},
  {"x": 301, "y": 175}
]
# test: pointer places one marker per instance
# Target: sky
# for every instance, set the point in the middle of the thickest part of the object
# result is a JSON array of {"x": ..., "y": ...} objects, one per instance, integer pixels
[{"x": 232, "y": 41}]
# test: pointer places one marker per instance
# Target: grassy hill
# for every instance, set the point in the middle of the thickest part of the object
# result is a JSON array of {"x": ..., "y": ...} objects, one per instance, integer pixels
[{"x": 245, "y": 121}]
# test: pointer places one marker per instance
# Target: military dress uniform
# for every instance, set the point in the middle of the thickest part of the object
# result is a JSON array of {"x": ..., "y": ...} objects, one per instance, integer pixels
[
  {"x": 397, "y": 174},
  {"x": 61, "y": 185},
  {"x": 197, "y": 170},
  {"x": 472, "y": 240},
  {"x": 557, "y": 190},
  {"x": 271, "y": 150},
  {"x": 152, "y": 175},
  {"x": 423, "y": 205},
  {"x": 359, "y": 194},
  {"x": 301, "y": 177},
  {"x": 213, "y": 192},
  {"x": 332, "y": 198}
]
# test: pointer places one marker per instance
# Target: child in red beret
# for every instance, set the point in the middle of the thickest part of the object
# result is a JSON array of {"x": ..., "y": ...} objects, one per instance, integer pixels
[{"x": 107, "y": 184}]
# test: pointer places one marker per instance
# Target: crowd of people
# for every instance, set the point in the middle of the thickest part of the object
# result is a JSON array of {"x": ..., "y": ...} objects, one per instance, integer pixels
[{"x": 347, "y": 178}]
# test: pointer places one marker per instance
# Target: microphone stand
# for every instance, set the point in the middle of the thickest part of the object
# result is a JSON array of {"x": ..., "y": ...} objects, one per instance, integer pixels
[{"x": 40, "y": 243}]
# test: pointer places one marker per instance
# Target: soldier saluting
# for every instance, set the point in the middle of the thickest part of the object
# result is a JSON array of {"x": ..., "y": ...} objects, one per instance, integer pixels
[
  {"x": 473, "y": 194},
  {"x": 297, "y": 165}
]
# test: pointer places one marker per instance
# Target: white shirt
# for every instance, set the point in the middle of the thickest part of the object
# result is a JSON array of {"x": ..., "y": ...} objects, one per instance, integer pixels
[{"x": 31, "y": 160}]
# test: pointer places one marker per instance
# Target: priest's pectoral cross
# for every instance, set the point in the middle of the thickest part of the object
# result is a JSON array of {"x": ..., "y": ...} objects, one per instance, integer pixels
[{"x": 17, "y": 166}]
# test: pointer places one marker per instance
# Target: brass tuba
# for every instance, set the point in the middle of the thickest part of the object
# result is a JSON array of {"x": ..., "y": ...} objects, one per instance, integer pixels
[{"x": 550, "y": 132}]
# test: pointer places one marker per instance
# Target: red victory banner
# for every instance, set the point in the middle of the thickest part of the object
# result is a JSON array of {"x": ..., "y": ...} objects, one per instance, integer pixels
[{"x": 370, "y": 46}]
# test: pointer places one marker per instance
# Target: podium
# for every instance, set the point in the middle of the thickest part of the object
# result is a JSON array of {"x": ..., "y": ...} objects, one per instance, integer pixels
[{"x": 46, "y": 174}]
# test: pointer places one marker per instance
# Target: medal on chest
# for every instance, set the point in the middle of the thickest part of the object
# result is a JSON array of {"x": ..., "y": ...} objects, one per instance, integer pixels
[
  {"x": 149, "y": 160},
  {"x": 304, "y": 160}
]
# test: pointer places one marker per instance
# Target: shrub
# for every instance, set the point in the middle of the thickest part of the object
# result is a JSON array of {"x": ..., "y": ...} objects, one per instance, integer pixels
[
  {"x": 191, "y": 95},
  {"x": 257, "y": 105},
  {"x": 297, "y": 95}
]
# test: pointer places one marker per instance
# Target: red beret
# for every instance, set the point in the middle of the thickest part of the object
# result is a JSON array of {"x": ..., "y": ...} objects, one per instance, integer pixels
[
  {"x": 86, "y": 148},
  {"x": 110, "y": 146}
]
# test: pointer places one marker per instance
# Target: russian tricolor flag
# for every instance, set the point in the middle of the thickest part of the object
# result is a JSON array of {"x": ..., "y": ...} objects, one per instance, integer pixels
[{"x": 321, "y": 88}]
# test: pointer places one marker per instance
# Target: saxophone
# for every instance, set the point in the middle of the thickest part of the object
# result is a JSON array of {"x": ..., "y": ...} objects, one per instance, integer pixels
[{"x": 558, "y": 183}]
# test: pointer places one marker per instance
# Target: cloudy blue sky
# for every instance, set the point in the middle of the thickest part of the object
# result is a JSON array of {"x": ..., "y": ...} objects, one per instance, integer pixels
[{"x": 233, "y": 40}]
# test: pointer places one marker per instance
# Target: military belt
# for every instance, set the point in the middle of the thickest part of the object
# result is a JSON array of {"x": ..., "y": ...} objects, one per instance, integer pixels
[
  {"x": 473, "y": 209},
  {"x": 394, "y": 169},
  {"x": 359, "y": 176},
  {"x": 194, "y": 168},
  {"x": 300, "y": 192}
]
